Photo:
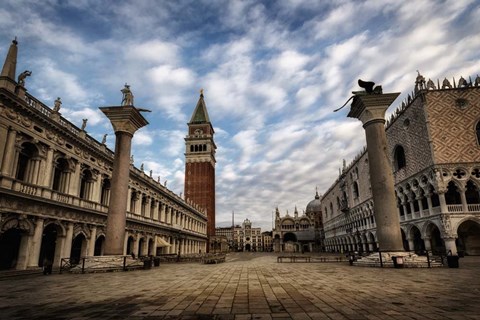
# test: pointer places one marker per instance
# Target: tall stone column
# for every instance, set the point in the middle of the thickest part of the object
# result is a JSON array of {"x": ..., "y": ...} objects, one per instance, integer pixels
[
  {"x": 125, "y": 121},
  {"x": 370, "y": 108}
]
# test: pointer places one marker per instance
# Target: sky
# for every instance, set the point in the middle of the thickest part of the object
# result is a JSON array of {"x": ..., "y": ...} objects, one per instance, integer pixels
[{"x": 272, "y": 74}]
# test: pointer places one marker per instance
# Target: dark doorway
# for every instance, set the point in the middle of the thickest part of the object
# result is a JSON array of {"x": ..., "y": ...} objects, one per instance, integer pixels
[
  {"x": 99, "y": 246},
  {"x": 418, "y": 243},
  {"x": 49, "y": 242},
  {"x": 469, "y": 238},
  {"x": 130, "y": 246},
  {"x": 77, "y": 246},
  {"x": 248, "y": 247},
  {"x": 9, "y": 247}
]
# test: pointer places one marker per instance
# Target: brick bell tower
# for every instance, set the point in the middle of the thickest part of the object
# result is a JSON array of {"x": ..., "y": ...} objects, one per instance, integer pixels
[{"x": 200, "y": 164}]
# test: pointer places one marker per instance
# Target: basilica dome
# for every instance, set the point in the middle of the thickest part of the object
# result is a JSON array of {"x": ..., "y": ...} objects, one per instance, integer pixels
[{"x": 315, "y": 205}]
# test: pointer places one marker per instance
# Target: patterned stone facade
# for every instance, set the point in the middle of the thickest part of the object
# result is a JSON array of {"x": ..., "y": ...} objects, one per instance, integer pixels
[{"x": 433, "y": 142}]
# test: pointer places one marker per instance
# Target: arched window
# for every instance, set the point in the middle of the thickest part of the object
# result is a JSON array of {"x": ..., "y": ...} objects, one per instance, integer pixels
[
  {"x": 191, "y": 148},
  {"x": 105, "y": 195},
  {"x": 331, "y": 209},
  {"x": 472, "y": 193},
  {"x": 204, "y": 147},
  {"x": 399, "y": 157},
  {"x": 356, "y": 194},
  {"x": 86, "y": 184},
  {"x": 60, "y": 176},
  {"x": 478, "y": 132},
  {"x": 452, "y": 196},
  {"x": 26, "y": 163}
]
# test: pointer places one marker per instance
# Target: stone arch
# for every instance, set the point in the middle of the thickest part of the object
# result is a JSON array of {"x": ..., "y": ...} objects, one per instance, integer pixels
[
  {"x": 468, "y": 232},
  {"x": 24, "y": 225},
  {"x": 472, "y": 192},
  {"x": 432, "y": 232},
  {"x": 28, "y": 156},
  {"x": 452, "y": 196},
  {"x": 398, "y": 156},
  {"x": 415, "y": 235}
]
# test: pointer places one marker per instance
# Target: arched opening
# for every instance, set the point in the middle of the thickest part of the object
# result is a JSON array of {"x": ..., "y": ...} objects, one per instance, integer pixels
[
  {"x": 418, "y": 243},
  {"x": 400, "y": 207},
  {"x": 26, "y": 170},
  {"x": 471, "y": 193},
  {"x": 78, "y": 248},
  {"x": 141, "y": 243},
  {"x": 434, "y": 197},
  {"x": 477, "y": 128},
  {"x": 105, "y": 195},
  {"x": 468, "y": 239},
  {"x": 399, "y": 158},
  {"x": 99, "y": 246},
  {"x": 130, "y": 244},
  {"x": 9, "y": 248},
  {"x": 404, "y": 240},
  {"x": 289, "y": 242},
  {"x": 356, "y": 194},
  {"x": 150, "y": 247},
  {"x": 86, "y": 184},
  {"x": 438, "y": 246},
  {"x": 60, "y": 175},
  {"x": 248, "y": 247},
  {"x": 191, "y": 148},
  {"x": 49, "y": 245},
  {"x": 452, "y": 196}
]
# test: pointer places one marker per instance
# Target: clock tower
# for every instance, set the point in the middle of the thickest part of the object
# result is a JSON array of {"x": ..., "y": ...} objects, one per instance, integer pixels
[{"x": 200, "y": 164}]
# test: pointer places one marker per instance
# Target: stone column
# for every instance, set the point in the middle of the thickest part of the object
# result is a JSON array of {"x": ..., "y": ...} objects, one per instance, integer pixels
[
  {"x": 450, "y": 245},
  {"x": 91, "y": 242},
  {"x": 36, "y": 244},
  {"x": 47, "y": 176},
  {"x": 370, "y": 109},
  {"x": 443, "y": 202},
  {"x": 8, "y": 156},
  {"x": 429, "y": 202},
  {"x": 125, "y": 121}
]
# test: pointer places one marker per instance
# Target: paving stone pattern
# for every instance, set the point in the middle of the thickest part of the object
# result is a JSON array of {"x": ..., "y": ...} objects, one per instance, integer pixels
[{"x": 249, "y": 286}]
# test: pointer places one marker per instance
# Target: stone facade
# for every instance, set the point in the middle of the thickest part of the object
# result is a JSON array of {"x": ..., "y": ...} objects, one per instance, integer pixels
[
  {"x": 245, "y": 238},
  {"x": 433, "y": 141},
  {"x": 55, "y": 187}
]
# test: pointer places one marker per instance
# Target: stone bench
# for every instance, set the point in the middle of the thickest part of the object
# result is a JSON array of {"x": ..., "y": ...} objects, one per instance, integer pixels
[{"x": 294, "y": 258}]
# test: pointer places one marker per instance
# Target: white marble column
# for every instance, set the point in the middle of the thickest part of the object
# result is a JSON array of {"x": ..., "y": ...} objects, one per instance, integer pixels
[
  {"x": 34, "y": 254},
  {"x": 92, "y": 240}
]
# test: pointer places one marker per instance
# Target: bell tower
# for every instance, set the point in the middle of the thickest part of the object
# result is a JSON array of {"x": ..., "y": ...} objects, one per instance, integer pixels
[{"x": 200, "y": 164}]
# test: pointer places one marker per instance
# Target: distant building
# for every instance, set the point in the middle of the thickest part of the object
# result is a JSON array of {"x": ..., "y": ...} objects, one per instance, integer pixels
[
  {"x": 299, "y": 233},
  {"x": 267, "y": 241},
  {"x": 433, "y": 142},
  {"x": 242, "y": 238}
]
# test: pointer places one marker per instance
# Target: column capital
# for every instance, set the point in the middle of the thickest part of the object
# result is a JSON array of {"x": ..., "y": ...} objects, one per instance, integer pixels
[
  {"x": 125, "y": 118},
  {"x": 371, "y": 107}
]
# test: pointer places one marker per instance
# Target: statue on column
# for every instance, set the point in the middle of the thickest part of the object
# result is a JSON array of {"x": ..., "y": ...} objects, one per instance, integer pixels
[
  {"x": 84, "y": 124},
  {"x": 127, "y": 99}
]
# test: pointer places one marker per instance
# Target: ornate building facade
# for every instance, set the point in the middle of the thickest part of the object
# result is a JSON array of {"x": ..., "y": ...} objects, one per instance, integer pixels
[
  {"x": 434, "y": 146},
  {"x": 55, "y": 188},
  {"x": 300, "y": 233},
  {"x": 200, "y": 164},
  {"x": 243, "y": 238}
]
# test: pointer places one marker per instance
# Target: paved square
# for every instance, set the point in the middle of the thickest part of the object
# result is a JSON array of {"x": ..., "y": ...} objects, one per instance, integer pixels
[{"x": 249, "y": 286}]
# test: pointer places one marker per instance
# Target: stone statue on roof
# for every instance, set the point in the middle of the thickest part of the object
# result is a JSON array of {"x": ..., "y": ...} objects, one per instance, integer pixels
[
  {"x": 84, "y": 124},
  {"x": 22, "y": 76},
  {"x": 57, "y": 104}
]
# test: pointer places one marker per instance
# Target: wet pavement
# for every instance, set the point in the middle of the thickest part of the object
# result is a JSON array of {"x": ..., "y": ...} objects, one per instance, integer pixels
[{"x": 249, "y": 286}]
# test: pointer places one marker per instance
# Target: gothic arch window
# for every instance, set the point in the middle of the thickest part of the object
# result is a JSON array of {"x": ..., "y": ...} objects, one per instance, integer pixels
[
  {"x": 196, "y": 148},
  {"x": 452, "y": 196},
  {"x": 400, "y": 206},
  {"x": 61, "y": 175},
  {"x": 331, "y": 209},
  {"x": 399, "y": 158},
  {"x": 27, "y": 165},
  {"x": 477, "y": 129},
  {"x": 204, "y": 147},
  {"x": 356, "y": 194},
  {"x": 472, "y": 193},
  {"x": 191, "y": 148}
]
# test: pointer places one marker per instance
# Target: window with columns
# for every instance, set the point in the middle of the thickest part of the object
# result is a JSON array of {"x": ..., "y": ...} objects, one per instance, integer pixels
[
  {"x": 105, "y": 195},
  {"x": 86, "y": 184},
  {"x": 28, "y": 163},
  {"x": 61, "y": 175},
  {"x": 472, "y": 193},
  {"x": 452, "y": 196}
]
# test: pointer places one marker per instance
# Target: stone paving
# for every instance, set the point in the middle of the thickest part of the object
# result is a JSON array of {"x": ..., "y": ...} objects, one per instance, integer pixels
[{"x": 249, "y": 286}]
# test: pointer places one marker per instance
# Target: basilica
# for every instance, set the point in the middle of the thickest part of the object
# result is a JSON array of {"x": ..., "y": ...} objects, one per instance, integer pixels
[
  {"x": 433, "y": 143},
  {"x": 55, "y": 186}
]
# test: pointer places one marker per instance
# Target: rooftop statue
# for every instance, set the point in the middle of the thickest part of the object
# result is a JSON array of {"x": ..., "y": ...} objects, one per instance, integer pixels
[
  {"x": 22, "y": 76},
  {"x": 104, "y": 139},
  {"x": 57, "y": 104},
  {"x": 84, "y": 124}
]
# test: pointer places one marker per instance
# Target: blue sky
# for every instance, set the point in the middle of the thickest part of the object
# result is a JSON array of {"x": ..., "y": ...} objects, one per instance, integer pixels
[{"x": 272, "y": 71}]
